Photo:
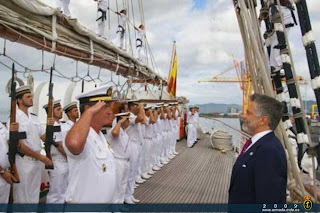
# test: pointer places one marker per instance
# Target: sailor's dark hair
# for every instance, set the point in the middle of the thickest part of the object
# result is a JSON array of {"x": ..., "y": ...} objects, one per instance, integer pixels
[
  {"x": 119, "y": 118},
  {"x": 130, "y": 104},
  {"x": 122, "y": 107},
  {"x": 123, "y": 10},
  {"x": 20, "y": 96}
]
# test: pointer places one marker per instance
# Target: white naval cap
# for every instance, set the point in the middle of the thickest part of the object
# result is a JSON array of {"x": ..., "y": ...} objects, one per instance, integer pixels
[
  {"x": 165, "y": 105},
  {"x": 123, "y": 114},
  {"x": 70, "y": 106},
  {"x": 103, "y": 93},
  {"x": 134, "y": 101},
  {"x": 23, "y": 89},
  {"x": 155, "y": 106},
  {"x": 147, "y": 106},
  {"x": 173, "y": 103},
  {"x": 55, "y": 104}
]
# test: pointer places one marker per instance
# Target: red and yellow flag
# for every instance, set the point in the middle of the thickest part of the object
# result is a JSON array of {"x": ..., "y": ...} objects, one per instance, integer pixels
[{"x": 172, "y": 79}]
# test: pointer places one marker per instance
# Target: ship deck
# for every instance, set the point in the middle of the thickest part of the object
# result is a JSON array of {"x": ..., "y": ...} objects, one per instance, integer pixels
[{"x": 197, "y": 175}]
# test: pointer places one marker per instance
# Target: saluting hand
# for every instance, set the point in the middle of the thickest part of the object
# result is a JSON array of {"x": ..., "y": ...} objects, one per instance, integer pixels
[
  {"x": 97, "y": 107},
  {"x": 8, "y": 177},
  {"x": 14, "y": 127},
  {"x": 123, "y": 120}
]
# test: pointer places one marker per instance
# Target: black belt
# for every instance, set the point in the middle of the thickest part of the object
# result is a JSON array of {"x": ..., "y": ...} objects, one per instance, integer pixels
[
  {"x": 137, "y": 41},
  {"x": 289, "y": 25},
  {"x": 103, "y": 16},
  {"x": 120, "y": 29},
  {"x": 293, "y": 16}
]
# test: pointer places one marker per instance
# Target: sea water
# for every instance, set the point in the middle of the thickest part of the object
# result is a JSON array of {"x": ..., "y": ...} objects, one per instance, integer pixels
[{"x": 207, "y": 125}]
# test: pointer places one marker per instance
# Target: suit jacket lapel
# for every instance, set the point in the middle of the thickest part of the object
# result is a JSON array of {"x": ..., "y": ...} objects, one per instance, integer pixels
[{"x": 244, "y": 158}]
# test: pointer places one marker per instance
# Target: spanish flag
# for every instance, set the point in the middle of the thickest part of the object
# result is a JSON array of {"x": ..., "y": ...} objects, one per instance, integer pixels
[{"x": 172, "y": 79}]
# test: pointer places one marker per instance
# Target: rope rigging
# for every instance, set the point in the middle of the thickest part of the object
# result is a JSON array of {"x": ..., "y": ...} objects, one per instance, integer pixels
[
  {"x": 51, "y": 41},
  {"x": 260, "y": 72}
]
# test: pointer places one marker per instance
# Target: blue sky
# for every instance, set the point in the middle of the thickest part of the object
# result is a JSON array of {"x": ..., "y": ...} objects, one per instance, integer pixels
[{"x": 199, "y": 4}]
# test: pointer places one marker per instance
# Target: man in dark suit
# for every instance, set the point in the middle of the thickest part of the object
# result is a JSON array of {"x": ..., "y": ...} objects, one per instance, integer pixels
[{"x": 260, "y": 173}]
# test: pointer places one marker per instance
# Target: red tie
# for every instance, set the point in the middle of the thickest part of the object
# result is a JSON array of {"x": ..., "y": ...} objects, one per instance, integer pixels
[{"x": 246, "y": 145}]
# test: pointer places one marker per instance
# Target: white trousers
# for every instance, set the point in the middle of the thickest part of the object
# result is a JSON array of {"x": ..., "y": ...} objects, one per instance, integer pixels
[
  {"x": 101, "y": 27},
  {"x": 135, "y": 148},
  {"x": 121, "y": 38},
  {"x": 138, "y": 53},
  {"x": 191, "y": 135},
  {"x": 158, "y": 147},
  {"x": 58, "y": 179},
  {"x": 122, "y": 174},
  {"x": 146, "y": 152},
  {"x": 28, "y": 190},
  {"x": 196, "y": 131},
  {"x": 4, "y": 191},
  {"x": 178, "y": 128}
]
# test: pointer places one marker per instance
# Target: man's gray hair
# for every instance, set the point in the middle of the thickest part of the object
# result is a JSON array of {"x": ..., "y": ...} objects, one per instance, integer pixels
[{"x": 269, "y": 107}]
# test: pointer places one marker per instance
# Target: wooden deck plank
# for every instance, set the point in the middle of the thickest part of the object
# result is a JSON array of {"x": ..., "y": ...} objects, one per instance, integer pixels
[{"x": 197, "y": 175}]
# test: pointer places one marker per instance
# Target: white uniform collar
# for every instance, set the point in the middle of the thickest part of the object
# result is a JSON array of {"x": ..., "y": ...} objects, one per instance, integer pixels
[
  {"x": 94, "y": 133},
  {"x": 70, "y": 122},
  {"x": 20, "y": 112}
]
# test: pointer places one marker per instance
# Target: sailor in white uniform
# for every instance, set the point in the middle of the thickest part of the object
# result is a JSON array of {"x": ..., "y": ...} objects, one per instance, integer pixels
[
  {"x": 6, "y": 178},
  {"x": 63, "y": 5},
  {"x": 160, "y": 130},
  {"x": 148, "y": 134},
  {"x": 139, "y": 41},
  {"x": 153, "y": 141},
  {"x": 288, "y": 19},
  {"x": 134, "y": 132},
  {"x": 196, "y": 118},
  {"x": 156, "y": 140},
  {"x": 121, "y": 31},
  {"x": 178, "y": 115},
  {"x": 90, "y": 158},
  {"x": 166, "y": 134},
  {"x": 102, "y": 16},
  {"x": 191, "y": 138},
  {"x": 71, "y": 110},
  {"x": 121, "y": 149},
  {"x": 30, "y": 166},
  {"x": 173, "y": 136},
  {"x": 58, "y": 177}
]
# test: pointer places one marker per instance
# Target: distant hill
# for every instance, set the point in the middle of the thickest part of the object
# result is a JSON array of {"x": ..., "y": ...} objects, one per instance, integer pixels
[
  {"x": 225, "y": 108},
  {"x": 219, "y": 108}
]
